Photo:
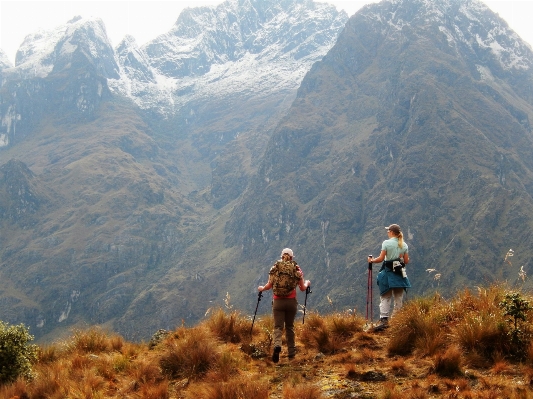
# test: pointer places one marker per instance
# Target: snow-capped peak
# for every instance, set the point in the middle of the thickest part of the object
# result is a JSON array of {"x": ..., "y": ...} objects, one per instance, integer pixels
[
  {"x": 465, "y": 23},
  {"x": 133, "y": 61},
  {"x": 43, "y": 50},
  {"x": 206, "y": 36},
  {"x": 4, "y": 61},
  {"x": 239, "y": 45}
]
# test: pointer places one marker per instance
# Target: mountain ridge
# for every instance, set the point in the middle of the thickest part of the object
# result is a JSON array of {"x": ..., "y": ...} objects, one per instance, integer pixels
[
  {"x": 378, "y": 133},
  {"x": 132, "y": 186}
]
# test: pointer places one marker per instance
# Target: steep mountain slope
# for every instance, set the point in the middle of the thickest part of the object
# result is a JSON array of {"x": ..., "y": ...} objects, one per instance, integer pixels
[
  {"x": 419, "y": 115},
  {"x": 107, "y": 223},
  {"x": 226, "y": 75},
  {"x": 245, "y": 46},
  {"x": 144, "y": 194},
  {"x": 119, "y": 186}
]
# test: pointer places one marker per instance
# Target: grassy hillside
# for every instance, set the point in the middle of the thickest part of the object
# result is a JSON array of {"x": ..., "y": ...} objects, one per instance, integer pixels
[
  {"x": 395, "y": 126},
  {"x": 476, "y": 345},
  {"x": 94, "y": 212}
]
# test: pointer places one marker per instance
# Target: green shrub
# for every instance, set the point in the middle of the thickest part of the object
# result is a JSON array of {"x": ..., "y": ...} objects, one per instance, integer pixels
[
  {"x": 516, "y": 309},
  {"x": 16, "y": 354}
]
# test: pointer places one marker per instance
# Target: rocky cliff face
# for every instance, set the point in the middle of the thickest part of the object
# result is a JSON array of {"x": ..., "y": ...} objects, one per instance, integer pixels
[
  {"x": 138, "y": 156},
  {"x": 250, "y": 47},
  {"x": 223, "y": 77},
  {"x": 60, "y": 72},
  {"x": 418, "y": 116}
]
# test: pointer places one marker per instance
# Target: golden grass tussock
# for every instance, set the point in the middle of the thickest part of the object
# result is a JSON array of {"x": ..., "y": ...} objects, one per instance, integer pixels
[
  {"x": 475, "y": 323},
  {"x": 231, "y": 327},
  {"x": 157, "y": 390},
  {"x": 390, "y": 390},
  {"x": 330, "y": 333},
  {"x": 145, "y": 371},
  {"x": 449, "y": 363},
  {"x": 419, "y": 326},
  {"x": 48, "y": 354},
  {"x": 481, "y": 332},
  {"x": 49, "y": 383},
  {"x": 302, "y": 391},
  {"x": 365, "y": 355},
  {"x": 228, "y": 365},
  {"x": 190, "y": 356},
  {"x": 94, "y": 340},
  {"x": 235, "y": 389},
  {"x": 399, "y": 367},
  {"x": 464, "y": 347}
]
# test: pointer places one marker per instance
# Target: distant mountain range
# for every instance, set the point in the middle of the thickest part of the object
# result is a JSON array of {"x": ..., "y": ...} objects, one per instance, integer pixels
[{"x": 140, "y": 186}]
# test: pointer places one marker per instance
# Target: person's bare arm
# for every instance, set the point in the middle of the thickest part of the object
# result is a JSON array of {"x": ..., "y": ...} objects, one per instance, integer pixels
[
  {"x": 379, "y": 259},
  {"x": 303, "y": 284},
  {"x": 265, "y": 287}
]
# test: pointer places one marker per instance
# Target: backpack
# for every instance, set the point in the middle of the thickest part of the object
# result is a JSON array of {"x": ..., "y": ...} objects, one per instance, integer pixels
[{"x": 285, "y": 277}]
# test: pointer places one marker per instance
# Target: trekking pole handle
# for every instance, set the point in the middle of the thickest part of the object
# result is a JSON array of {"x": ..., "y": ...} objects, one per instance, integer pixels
[
  {"x": 370, "y": 263},
  {"x": 307, "y": 292},
  {"x": 259, "y": 296}
]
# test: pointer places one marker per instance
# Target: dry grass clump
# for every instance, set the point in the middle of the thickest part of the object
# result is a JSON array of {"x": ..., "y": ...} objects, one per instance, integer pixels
[
  {"x": 344, "y": 324},
  {"x": 474, "y": 323},
  {"x": 95, "y": 340},
  {"x": 48, "y": 354},
  {"x": 398, "y": 367},
  {"x": 365, "y": 355},
  {"x": 330, "y": 333},
  {"x": 461, "y": 348},
  {"x": 391, "y": 391},
  {"x": 449, "y": 363},
  {"x": 191, "y": 355},
  {"x": 231, "y": 327},
  {"x": 230, "y": 390},
  {"x": 420, "y": 326},
  {"x": 481, "y": 333},
  {"x": 480, "y": 325},
  {"x": 158, "y": 390},
  {"x": 85, "y": 366},
  {"x": 302, "y": 391},
  {"x": 47, "y": 384}
]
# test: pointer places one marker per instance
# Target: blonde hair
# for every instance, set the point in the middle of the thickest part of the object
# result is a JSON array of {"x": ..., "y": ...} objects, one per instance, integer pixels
[{"x": 400, "y": 239}]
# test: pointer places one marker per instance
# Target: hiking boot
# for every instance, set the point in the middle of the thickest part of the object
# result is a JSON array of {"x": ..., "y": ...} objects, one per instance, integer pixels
[
  {"x": 275, "y": 354},
  {"x": 382, "y": 325}
]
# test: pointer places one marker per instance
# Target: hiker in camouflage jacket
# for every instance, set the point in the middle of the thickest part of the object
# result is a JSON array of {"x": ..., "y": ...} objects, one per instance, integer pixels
[{"x": 284, "y": 303}]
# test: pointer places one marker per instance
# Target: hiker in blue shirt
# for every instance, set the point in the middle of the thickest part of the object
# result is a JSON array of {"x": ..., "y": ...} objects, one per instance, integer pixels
[{"x": 392, "y": 279}]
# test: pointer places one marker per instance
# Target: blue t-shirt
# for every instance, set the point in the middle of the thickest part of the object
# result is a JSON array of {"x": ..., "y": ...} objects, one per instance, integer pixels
[{"x": 393, "y": 251}]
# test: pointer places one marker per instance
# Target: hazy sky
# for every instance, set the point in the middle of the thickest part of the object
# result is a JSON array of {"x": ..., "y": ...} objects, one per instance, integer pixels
[{"x": 145, "y": 20}]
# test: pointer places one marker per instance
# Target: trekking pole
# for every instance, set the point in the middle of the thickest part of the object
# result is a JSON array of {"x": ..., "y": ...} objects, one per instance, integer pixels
[
  {"x": 307, "y": 291},
  {"x": 369, "y": 292},
  {"x": 259, "y": 295}
]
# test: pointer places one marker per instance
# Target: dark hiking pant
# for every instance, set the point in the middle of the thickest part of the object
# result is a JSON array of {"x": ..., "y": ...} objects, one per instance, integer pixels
[{"x": 284, "y": 311}]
